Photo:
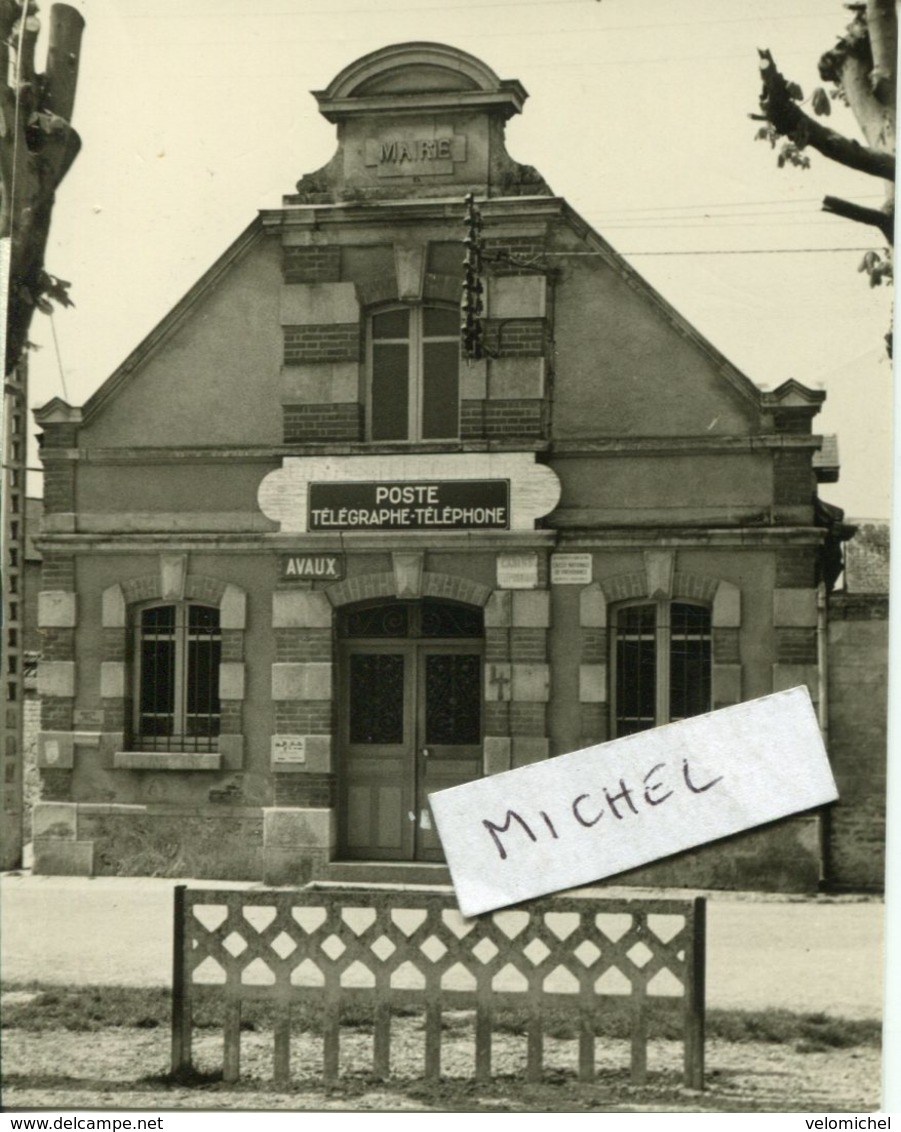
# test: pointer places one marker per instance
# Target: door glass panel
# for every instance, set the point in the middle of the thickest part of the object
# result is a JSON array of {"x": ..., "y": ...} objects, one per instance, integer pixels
[
  {"x": 376, "y": 698},
  {"x": 636, "y": 669},
  {"x": 453, "y": 687}
]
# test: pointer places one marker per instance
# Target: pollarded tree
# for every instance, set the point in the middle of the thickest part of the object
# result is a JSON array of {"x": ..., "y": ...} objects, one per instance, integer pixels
[
  {"x": 860, "y": 71},
  {"x": 37, "y": 148}
]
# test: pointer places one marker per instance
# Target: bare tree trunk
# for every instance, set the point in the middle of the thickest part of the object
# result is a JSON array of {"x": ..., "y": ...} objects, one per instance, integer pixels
[{"x": 37, "y": 148}]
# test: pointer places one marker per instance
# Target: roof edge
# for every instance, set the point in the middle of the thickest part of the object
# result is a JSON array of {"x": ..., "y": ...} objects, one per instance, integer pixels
[
  {"x": 172, "y": 320},
  {"x": 740, "y": 382}
]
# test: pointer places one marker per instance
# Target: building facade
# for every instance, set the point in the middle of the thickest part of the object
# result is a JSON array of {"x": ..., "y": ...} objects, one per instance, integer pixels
[{"x": 303, "y": 563}]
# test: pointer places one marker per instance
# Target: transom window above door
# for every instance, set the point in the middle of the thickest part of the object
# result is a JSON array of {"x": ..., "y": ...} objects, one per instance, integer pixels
[{"x": 414, "y": 373}]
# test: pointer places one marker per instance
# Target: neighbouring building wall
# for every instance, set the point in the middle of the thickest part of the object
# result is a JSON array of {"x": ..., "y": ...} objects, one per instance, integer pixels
[{"x": 858, "y": 707}]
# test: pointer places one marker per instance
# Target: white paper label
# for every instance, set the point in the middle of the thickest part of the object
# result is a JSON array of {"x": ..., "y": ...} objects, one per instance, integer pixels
[{"x": 587, "y": 815}]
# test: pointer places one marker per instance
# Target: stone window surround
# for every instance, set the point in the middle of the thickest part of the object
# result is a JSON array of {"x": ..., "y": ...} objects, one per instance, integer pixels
[
  {"x": 661, "y": 580},
  {"x": 175, "y": 584}
]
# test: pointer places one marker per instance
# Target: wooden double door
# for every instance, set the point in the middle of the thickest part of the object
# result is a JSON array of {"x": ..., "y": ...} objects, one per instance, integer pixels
[{"x": 410, "y": 723}]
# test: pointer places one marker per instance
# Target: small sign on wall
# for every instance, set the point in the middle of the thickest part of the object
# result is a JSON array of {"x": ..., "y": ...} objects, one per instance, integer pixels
[
  {"x": 421, "y": 506},
  {"x": 517, "y": 571},
  {"x": 570, "y": 569},
  {"x": 309, "y": 567},
  {"x": 289, "y": 749}
]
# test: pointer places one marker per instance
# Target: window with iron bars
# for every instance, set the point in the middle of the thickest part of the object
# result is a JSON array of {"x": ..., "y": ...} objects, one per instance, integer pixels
[
  {"x": 661, "y": 664},
  {"x": 177, "y": 654}
]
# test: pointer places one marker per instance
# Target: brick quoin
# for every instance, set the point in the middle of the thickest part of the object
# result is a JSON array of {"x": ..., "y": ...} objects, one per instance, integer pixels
[
  {"x": 472, "y": 419},
  {"x": 56, "y": 713},
  {"x": 57, "y": 644},
  {"x": 514, "y": 418},
  {"x": 528, "y": 644},
  {"x": 303, "y": 645},
  {"x": 311, "y": 265},
  {"x": 337, "y": 342},
  {"x": 497, "y": 646},
  {"x": 62, "y": 435},
  {"x": 58, "y": 572},
  {"x": 322, "y": 422},
  {"x": 497, "y": 718},
  {"x": 319, "y": 790},
  {"x": 796, "y": 569},
  {"x": 726, "y": 646},
  {"x": 527, "y": 719},
  {"x": 594, "y": 645},
  {"x": 59, "y": 486},
  {"x": 298, "y": 718},
  {"x": 232, "y": 644},
  {"x": 794, "y": 481},
  {"x": 796, "y": 645},
  {"x": 231, "y": 717},
  {"x": 594, "y": 723},
  {"x": 790, "y": 421},
  {"x": 114, "y": 644},
  {"x": 515, "y": 337},
  {"x": 114, "y": 714}
]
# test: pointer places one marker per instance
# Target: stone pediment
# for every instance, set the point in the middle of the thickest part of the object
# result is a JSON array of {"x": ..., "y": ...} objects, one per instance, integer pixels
[
  {"x": 418, "y": 120},
  {"x": 413, "y": 76}
]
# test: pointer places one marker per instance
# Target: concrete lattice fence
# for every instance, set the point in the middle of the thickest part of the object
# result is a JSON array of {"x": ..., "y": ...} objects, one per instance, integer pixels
[{"x": 394, "y": 950}]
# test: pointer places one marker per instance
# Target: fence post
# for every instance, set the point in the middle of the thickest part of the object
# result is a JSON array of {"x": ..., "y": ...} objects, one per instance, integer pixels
[
  {"x": 181, "y": 1006},
  {"x": 695, "y": 972}
]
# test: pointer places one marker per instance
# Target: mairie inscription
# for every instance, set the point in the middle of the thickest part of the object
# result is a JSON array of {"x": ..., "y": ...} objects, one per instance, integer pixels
[{"x": 411, "y": 156}]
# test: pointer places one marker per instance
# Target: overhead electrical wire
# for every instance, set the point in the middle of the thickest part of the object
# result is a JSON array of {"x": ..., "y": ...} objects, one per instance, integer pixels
[
  {"x": 517, "y": 5},
  {"x": 749, "y": 251}
]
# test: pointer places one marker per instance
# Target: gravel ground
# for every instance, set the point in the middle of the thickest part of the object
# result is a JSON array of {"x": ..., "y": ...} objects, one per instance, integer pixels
[{"x": 124, "y": 1068}]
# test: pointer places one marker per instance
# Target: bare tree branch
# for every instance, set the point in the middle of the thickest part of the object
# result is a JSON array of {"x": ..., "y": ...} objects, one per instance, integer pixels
[{"x": 850, "y": 211}]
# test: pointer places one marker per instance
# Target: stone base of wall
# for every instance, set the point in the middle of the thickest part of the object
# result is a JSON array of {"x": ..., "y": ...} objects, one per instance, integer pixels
[
  {"x": 230, "y": 845},
  {"x": 781, "y": 857},
  {"x": 857, "y": 842},
  {"x": 32, "y": 778},
  {"x": 207, "y": 846}
]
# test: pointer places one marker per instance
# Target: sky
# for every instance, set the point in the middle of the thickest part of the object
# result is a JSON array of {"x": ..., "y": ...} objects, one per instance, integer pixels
[{"x": 194, "y": 114}]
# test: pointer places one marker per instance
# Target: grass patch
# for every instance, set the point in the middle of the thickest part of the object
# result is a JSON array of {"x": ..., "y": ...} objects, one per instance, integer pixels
[{"x": 144, "y": 1008}]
